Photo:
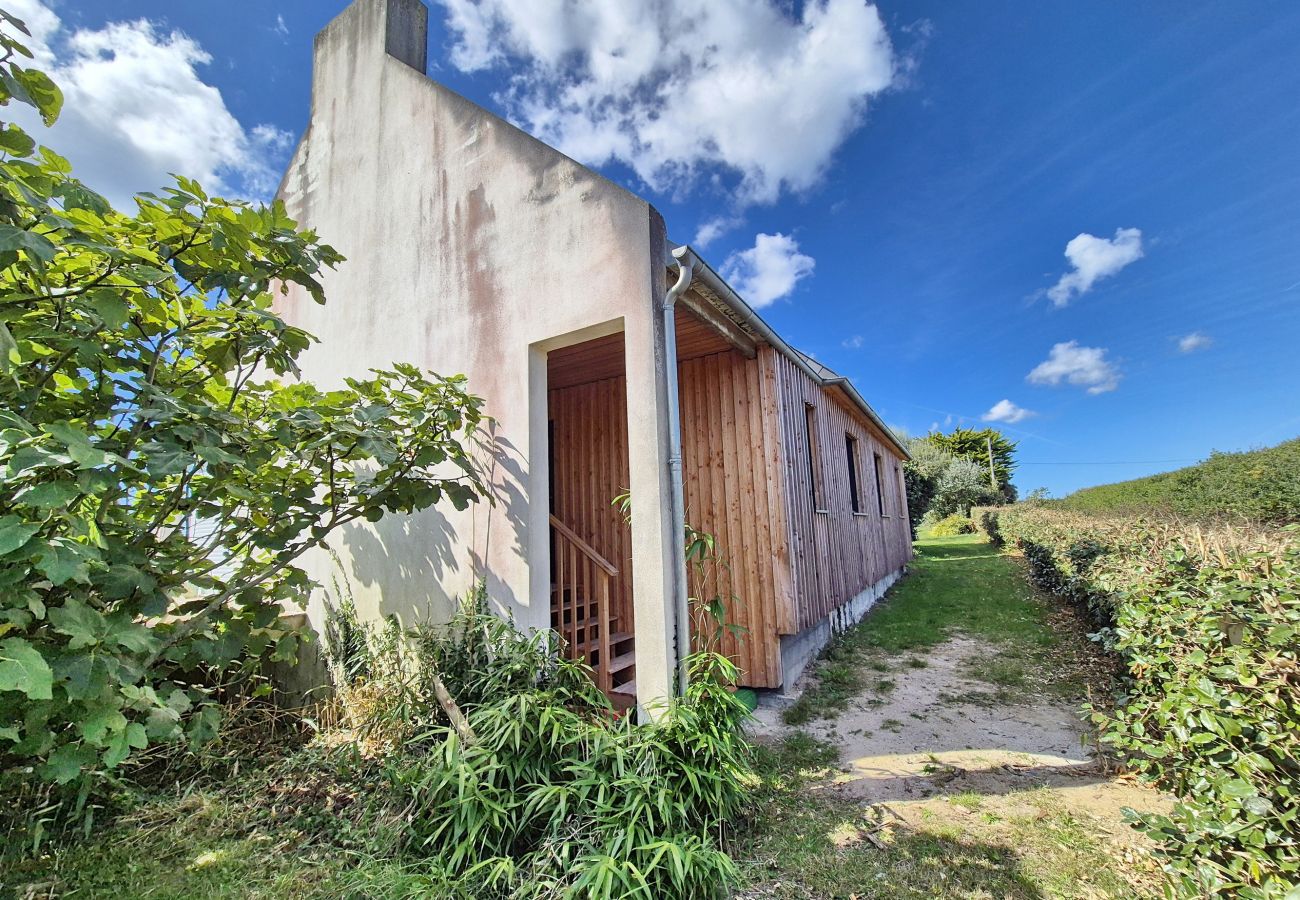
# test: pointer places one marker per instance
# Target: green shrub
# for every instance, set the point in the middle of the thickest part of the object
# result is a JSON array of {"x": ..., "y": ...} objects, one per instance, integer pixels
[
  {"x": 1206, "y": 623},
  {"x": 952, "y": 525},
  {"x": 548, "y": 793},
  {"x": 1263, "y": 485},
  {"x": 158, "y": 484},
  {"x": 986, "y": 523}
]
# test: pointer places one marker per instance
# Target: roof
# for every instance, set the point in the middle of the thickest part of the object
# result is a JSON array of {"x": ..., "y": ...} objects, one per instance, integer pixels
[{"x": 714, "y": 289}]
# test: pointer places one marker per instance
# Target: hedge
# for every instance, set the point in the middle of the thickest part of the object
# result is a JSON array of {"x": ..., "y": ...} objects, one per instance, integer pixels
[
  {"x": 1260, "y": 485},
  {"x": 1206, "y": 621}
]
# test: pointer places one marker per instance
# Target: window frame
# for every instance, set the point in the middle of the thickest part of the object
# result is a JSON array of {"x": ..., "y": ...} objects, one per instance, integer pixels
[
  {"x": 878, "y": 466},
  {"x": 815, "y": 486},
  {"x": 855, "y": 477}
]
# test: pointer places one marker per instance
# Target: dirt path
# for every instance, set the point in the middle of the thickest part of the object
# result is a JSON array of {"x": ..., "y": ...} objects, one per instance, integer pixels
[
  {"x": 942, "y": 731},
  {"x": 964, "y": 766}
]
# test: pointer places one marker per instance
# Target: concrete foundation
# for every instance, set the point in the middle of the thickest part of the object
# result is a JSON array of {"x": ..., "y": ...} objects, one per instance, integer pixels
[{"x": 798, "y": 650}]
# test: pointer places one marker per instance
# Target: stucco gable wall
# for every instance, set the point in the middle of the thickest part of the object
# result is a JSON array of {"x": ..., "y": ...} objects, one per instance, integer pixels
[{"x": 468, "y": 242}]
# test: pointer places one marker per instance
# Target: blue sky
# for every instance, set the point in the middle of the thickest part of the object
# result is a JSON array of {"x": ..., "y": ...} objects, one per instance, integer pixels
[{"x": 901, "y": 183}]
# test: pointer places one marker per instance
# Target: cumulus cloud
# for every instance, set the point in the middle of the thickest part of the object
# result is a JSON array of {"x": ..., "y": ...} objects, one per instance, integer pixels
[
  {"x": 1006, "y": 411},
  {"x": 767, "y": 271},
  {"x": 713, "y": 229},
  {"x": 1094, "y": 258},
  {"x": 136, "y": 109},
  {"x": 1190, "y": 343},
  {"x": 1085, "y": 367},
  {"x": 680, "y": 88}
]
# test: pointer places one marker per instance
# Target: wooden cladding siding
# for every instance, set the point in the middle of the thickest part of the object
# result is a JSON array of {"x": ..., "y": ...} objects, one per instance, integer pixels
[
  {"x": 835, "y": 553},
  {"x": 589, "y": 468},
  {"x": 748, "y": 482},
  {"x": 731, "y": 465}
]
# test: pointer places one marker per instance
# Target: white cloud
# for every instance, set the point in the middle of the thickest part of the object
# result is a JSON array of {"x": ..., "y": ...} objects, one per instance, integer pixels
[
  {"x": 767, "y": 271},
  {"x": 136, "y": 109},
  {"x": 853, "y": 343},
  {"x": 713, "y": 229},
  {"x": 1094, "y": 258},
  {"x": 678, "y": 88},
  {"x": 1006, "y": 411},
  {"x": 280, "y": 27},
  {"x": 1190, "y": 343},
  {"x": 1080, "y": 366}
]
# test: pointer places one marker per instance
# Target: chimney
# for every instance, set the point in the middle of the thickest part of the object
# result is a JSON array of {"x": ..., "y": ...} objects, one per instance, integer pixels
[{"x": 399, "y": 27}]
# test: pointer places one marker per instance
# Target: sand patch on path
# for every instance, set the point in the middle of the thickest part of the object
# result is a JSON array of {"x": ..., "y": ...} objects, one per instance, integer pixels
[{"x": 941, "y": 732}]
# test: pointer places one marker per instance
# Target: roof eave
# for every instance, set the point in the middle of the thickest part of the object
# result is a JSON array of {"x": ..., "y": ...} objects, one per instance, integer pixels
[{"x": 727, "y": 294}]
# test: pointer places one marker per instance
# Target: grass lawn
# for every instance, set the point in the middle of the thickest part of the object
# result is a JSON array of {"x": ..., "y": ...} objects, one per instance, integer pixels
[{"x": 956, "y": 584}]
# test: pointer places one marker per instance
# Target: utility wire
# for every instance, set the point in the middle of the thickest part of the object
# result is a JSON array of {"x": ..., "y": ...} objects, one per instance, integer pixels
[{"x": 1112, "y": 462}]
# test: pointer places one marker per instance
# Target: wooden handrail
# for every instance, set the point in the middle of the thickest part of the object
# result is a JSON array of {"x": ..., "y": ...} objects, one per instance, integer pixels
[{"x": 587, "y": 550}]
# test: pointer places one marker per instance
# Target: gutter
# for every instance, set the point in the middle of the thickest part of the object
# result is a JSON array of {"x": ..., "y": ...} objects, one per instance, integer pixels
[
  {"x": 714, "y": 282},
  {"x": 686, "y": 261}
]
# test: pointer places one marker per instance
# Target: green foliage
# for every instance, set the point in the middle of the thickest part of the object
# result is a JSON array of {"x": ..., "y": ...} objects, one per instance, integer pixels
[
  {"x": 967, "y": 443},
  {"x": 986, "y": 523},
  {"x": 1263, "y": 485},
  {"x": 552, "y": 794},
  {"x": 1206, "y": 622},
  {"x": 921, "y": 474},
  {"x": 951, "y": 526},
  {"x": 157, "y": 484},
  {"x": 963, "y": 484},
  {"x": 948, "y": 474}
]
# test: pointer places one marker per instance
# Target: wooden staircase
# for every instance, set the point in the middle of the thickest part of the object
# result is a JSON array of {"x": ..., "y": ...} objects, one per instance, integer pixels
[{"x": 581, "y": 613}]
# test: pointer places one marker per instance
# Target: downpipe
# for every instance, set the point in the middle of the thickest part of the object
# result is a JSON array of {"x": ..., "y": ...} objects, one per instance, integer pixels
[{"x": 681, "y": 601}]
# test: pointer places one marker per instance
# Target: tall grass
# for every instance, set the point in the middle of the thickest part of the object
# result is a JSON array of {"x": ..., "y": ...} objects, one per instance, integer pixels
[{"x": 545, "y": 791}]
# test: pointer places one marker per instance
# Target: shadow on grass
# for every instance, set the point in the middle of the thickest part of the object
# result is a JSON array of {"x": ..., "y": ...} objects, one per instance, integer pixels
[
  {"x": 968, "y": 546},
  {"x": 802, "y": 843}
]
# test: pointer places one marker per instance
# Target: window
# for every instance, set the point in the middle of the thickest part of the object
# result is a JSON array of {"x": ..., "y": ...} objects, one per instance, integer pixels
[
  {"x": 851, "y": 450},
  {"x": 880, "y": 483},
  {"x": 814, "y": 455}
]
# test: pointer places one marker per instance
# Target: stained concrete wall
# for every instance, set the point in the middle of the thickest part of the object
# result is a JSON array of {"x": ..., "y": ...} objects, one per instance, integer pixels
[{"x": 473, "y": 248}]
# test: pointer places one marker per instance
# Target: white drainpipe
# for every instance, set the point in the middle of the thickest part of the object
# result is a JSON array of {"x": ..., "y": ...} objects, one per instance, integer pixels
[{"x": 681, "y": 602}]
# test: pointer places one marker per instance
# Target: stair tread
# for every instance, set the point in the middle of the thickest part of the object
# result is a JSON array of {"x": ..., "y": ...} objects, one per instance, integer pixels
[
  {"x": 627, "y": 687},
  {"x": 623, "y": 661},
  {"x": 618, "y": 637}
]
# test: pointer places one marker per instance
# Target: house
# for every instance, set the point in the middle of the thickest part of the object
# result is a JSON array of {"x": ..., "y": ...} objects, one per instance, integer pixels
[{"x": 612, "y": 360}]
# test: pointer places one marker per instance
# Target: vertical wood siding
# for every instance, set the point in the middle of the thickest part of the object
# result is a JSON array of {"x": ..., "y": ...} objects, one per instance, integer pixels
[
  {"x": 589, "y": 469},
  {"x": 835, "y": 554},
  {"x": 731, "y": 467},
  {"x": 747, "y": 482}
]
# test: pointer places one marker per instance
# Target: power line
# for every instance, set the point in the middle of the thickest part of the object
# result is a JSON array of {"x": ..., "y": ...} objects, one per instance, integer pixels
[{"x": 1112, "y": 462}]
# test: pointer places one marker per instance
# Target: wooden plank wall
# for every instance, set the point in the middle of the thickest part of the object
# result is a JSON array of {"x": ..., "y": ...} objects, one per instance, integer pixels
[
  {"x": 746, "y": 480},
  {"x": 590, "y": 469},
  {"x": 836, "y": 554},
  {"x": 730, "y": 464}
]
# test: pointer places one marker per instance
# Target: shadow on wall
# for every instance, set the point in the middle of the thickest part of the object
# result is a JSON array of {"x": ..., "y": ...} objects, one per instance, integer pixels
[
  {"x": 503, "y": 469},
  {"x": 404, "y": 559}
]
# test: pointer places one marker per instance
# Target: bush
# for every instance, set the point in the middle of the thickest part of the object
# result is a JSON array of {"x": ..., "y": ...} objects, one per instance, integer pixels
[
  {"x": 1206, "y": 623},
  {"x": 1262, "y": 485},
  {"x": 964, "y": 484},
  {"x": 546, "y": 792},
  {"x": 921, "y": 476},
  {"x": 952, "y": 525},
  {"x": 986, "y": 523},
  {"x": 158, "y": 485}
]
